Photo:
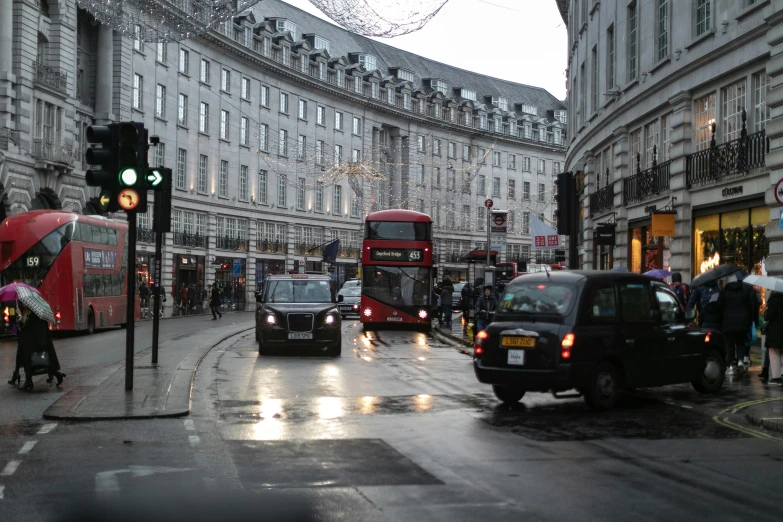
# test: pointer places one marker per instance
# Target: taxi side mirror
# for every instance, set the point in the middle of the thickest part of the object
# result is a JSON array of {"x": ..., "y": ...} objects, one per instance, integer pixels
[
  {"x": 259, "y": 298},
  {"x": 340, "y": 298},
  {"x": 690, "y": 315}
]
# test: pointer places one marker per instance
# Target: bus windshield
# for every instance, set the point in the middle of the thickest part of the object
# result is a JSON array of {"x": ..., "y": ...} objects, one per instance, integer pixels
[
  {"x": 398, "y": 230},
  {"x": 397, "y": 286},
  {"x": 32, "y": 266}
]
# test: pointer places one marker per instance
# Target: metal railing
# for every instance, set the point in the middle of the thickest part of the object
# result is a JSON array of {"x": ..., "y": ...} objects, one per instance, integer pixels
[
  {"x": 308, "y": 249},
  {"x": 8, "y": 136},
  {"x": 272, "y": 247},
  {"x": 735, "y": 158},
  {"x": 352, "y": 252},
  {"x": 647, "y": 183},
  {"x": 52, "y": 77},
  {"x": 231, "y": 243},
  {"x": 602, "y": 199},
  {"x": 190, "y": 240},
  {"x": 54, "y": 152},
  {"x": 145, "y": 235}
]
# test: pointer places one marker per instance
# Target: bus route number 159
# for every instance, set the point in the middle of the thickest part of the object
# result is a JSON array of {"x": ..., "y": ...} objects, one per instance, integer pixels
[{"x": 33, "y": 261}]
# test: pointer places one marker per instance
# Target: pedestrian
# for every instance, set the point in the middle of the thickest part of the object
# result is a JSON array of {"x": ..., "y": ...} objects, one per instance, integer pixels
[
  {"x": 465, "y": 294},
  {"x": 774, "y": 340},
  {"x": 35, "y": 337},
  {"x": 436, "y": 301},
  {"x": 484, "y": 307},
  {"x": 214, "y": 302},
  {"x": 16, "y": 377},
  {"x": 700, "y": 297},
  {"x": 738, "y": 313},
  {"x": 144, "y": 297},
  {"x": 680, "y": 289},
  {"x": 446, "y": 296}
]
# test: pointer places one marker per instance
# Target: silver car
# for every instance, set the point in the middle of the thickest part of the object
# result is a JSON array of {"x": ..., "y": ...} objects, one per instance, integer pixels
[{"x": 350, "y": 303}]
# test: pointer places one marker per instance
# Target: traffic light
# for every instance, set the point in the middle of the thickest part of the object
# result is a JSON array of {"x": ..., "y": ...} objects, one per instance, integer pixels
[
  {"x": 106, "y": 158},
  {"x": 132, "y": 167},
  {"x": 566, "y": 202},
  {"x": 159, "y": 180}
]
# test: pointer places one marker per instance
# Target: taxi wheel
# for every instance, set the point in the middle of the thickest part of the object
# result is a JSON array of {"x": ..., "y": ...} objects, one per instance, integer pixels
[
  {"x": 711, "y": 379},
  {"x": 604, "y": 387},
  {"x": 507, "y": 396}
]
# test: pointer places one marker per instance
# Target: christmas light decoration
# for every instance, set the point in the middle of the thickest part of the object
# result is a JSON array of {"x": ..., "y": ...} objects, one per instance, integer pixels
[{"x": 382, "y": 18}]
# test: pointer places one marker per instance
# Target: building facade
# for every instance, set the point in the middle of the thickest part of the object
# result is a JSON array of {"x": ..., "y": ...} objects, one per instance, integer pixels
[
  {"x": 282, "y": 132},
  {"x": 675, "y": 108}
]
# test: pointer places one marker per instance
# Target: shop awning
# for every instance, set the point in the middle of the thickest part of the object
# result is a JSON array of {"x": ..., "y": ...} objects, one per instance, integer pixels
[{"x": 479, "y": 255}]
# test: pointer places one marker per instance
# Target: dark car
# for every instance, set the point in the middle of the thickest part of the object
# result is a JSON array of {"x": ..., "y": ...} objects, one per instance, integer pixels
[
  {"x": 350, "y": 302},
  {"x": 597, "y": 333},
  {"x": 297, "y": 310}
]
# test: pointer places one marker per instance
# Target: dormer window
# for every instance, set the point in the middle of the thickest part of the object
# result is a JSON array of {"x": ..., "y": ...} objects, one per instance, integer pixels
[
  {"x": 468, "y": 94},
  {"x": 562, "y": 117},
  {"x": 439, "y": 85},
  {"x": 368, "y": 61},
  {"x": 498, "y": 125},
  {"x": 483, "y": 122},
  {"x": 404, "y": 75},
  {"x": 500, "y": 102},
  {"x": 375, "y": 90},
  {"x": 304, "y": 63},
  {"x": 286, "y": 25},
  {"x": 322, "y": 43},
  {"x": 357, "y": 85},
  {"x": 529, "y": 109}
]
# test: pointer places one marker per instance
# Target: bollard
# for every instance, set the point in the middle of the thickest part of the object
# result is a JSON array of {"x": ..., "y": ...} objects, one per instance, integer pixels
[{"x": 470, "y": 332}]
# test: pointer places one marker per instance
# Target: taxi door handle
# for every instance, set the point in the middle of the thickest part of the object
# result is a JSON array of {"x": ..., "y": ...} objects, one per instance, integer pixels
[{"x": 630, "y": 341}]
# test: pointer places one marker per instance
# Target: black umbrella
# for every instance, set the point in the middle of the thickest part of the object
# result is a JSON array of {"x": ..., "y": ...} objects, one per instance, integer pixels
[{"x": 714, "y": 274}]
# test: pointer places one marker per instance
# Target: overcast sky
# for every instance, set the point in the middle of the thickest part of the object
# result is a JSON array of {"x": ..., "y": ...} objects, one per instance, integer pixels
[{"x": 518, "y": 40}]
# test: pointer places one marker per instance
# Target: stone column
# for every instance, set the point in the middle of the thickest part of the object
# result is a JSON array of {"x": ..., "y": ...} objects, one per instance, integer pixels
[
  {"x": 621, "y": 170},
  {"x": 682, "y": 132},
  {"x": 376, "y": 138},
  {"x": 104, "y": 76},
  {"x": 774, "y": 158},
  {"x": 395, "y": 183},
  {"x": 7, "y": 78},
  {"x": 587, "y": 223}
]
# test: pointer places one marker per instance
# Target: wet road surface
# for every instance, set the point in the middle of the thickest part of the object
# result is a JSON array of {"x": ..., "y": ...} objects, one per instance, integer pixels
[{"x": 398, "y": 429}]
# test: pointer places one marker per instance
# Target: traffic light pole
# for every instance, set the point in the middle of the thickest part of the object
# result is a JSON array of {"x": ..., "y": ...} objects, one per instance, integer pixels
[{"x": 131, "y": 304}]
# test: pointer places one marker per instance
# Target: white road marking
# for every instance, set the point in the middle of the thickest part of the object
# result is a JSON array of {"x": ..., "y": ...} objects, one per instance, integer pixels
[
  {"x": 28, "y": 447},
  {"x": 10, "y": 468},
  {"x": 194, "y": 440},
  {"x": 2, "y": 488},
  {"x": 46, "y": 428},
  {"x": 106, "y": 482},
  {"x": 189, "y": 425}
]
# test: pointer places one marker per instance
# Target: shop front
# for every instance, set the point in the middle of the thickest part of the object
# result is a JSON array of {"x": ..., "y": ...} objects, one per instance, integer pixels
[
  {"x": 647, "y": 248},
  {"x": 341, "y": 272},
  {"x": 730, "y": 233},
  {"x": 145, "y": 267},
  {"x": 267, "y": 267},
  {"x": 308, "y": 265},
  {"x": 604, "y": 239},
  {"x": 231, "y": 277}
]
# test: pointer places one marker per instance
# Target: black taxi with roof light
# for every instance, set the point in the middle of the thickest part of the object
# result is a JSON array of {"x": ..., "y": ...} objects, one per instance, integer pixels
[
  {"x": 596, "y": 333},
  {"x": 298, "y": 310}
]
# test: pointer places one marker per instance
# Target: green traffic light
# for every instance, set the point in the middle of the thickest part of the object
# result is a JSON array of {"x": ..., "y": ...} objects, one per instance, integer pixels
[{"x": 129, "y": 177}]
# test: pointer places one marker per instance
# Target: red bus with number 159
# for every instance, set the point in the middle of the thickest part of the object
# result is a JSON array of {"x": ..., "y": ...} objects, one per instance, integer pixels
[{"x": 397, "y": 268}]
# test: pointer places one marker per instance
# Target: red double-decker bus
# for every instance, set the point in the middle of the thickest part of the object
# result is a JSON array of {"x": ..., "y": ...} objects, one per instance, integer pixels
[
  {"x": 397, "y": 268},
  {"x": 79, "y": 263}
]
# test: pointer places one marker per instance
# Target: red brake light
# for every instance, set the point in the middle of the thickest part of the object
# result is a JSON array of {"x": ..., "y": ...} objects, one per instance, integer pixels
[
  {"x": 707, "y": 337},
  {"x": 477, "y": 349},
  {"x": 566, "y": 345}
]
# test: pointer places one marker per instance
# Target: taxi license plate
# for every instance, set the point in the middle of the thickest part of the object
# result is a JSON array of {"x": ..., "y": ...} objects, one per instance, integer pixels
[
  {"x": 516, "y": 357},
  {"x": 518, "y": 342},
  {"x": 346, "y": 308},
  {"x": 307, "y": 335},
  {"x": 397, "y": 319}
]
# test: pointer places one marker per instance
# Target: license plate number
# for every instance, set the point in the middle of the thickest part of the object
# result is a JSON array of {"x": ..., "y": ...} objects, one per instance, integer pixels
[
  {"x": 307, "y": 335},
  {"x": 516, "y": 357},
  {"x": 394, "y": 319},
  {"x": 345, "y": 308},
  {"x": 521, "y": 342}
]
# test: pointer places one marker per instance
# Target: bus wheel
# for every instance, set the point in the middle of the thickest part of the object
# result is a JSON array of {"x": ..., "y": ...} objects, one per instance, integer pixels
[{"x": 90, "y": 322}]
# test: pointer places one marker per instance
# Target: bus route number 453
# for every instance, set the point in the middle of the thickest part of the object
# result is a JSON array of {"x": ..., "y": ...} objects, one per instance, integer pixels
[
  {"x": 33, "y": 261},
  {"x": 414, "y": 255}
]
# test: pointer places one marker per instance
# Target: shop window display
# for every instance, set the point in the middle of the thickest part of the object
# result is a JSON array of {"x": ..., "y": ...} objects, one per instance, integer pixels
[{"x": 732, "y": 237}]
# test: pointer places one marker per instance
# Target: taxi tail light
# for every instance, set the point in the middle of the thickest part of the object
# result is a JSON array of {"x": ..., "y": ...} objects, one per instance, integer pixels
[
  {"x": 565, "y": 346},
  {"x": 6, "y": 317},
  {"x": 708, "y": 337},
  {"x": 477, "y": 348}
]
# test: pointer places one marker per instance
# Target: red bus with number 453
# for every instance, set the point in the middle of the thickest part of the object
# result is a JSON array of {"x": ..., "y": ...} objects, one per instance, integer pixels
[
  {"x": 79, "y": 263},
  {"x": 397, "y": 268}
]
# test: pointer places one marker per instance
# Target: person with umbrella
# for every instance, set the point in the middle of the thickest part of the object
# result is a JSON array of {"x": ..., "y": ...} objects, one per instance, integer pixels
[
  {"x": 35, "y": 338},
  {"x": 738, "y": 312},
  {"x": 704, "y": 287},
  {"x": 774, "y": 340}
]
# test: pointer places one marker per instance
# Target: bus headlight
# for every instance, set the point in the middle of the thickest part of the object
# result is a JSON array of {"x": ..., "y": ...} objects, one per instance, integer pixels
[
  {"x": 422, "y": 314},
  {"x": 367, "y": 312}
]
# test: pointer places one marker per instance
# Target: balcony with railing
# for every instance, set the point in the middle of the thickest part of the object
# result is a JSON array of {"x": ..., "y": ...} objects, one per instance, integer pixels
[
  {"x": 602, "y": 199},
  {"x": 734, "y": 158},
  {"x": 62, "y": 153},
  {"x": 647, "y": 183},
  {"x": 8, "y": 136},
  {"x": 52, "y": 77},
  {"x": 231, "y": 243},
  {"x": 270, "y": 246},
  {"x": 187, "y": 239},
  {"x": 349, "y": 251},
  {"x": 145, "y": 235}
]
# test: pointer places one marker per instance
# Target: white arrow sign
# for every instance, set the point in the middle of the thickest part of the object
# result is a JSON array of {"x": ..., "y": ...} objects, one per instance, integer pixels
[
  {"x": 154, "y": 177},
  {"x": 106, "y": 482}
]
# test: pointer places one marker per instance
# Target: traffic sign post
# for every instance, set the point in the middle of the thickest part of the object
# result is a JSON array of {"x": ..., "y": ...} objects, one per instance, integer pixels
[{"x": 160, "y": 180}]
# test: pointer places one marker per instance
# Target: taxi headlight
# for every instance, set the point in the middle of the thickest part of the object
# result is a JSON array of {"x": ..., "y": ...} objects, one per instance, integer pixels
[
  {"x": 330, "y": 319},
  {"x": 271, "y": 319}
]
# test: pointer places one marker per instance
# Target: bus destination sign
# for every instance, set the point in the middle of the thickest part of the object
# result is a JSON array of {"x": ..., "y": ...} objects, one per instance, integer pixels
[{"x": 407, "y": 255}]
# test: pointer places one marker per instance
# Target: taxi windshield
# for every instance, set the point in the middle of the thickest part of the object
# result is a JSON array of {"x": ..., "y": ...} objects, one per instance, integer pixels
[
  {"x": 537, "y": 298},
  {"x": 299, "y": 291}
]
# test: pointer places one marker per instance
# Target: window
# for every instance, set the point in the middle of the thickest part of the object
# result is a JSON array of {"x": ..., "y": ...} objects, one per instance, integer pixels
[
  {"x": 496, "y": 159},
  {"x": 137, "y": 37},
  {"x": 703, "y": 16},
  {"x": 355, "y": 206},
  {"x": 481, "y": 218},
  {"x": 182, "y": 110},
  {"x": 282, "y": 183},
  {"x": 300, "y": 194},
  {"x": 319, "y": 197},
  {"x": 663, "y": 29},
  {"x": 319, "y": 152},
  {"x": 264, "y": 96},
  {"x": 436, "y": 147},
  {"x": 286, "y": 25},
  {"x": 512, "y": 189},
  {"x": 636, "y": 150},
  {"x": 402, "y": 74},
  {"x": 420, "y": 176},
  {"x": 733, "y": 105},
  {"x": 451, "y": 217},
  {"x": 321, "y": 71},
  {"x": 368, "y": 61},
  {"x": 184, "y": 61},
  {"x": 650, "y": 142},
  {"x": 337, "y": 199},
  {"x": 439, "y": 85},
  {"x": 704, "y": 109},
  {"x": 282, "y": 147},
  {"x": 541, "y": 166},
  {"x": 225, "y": 80},
  {"x": 204, "y": 71},
  {"x": 510, "y": 221},
  {"x": 420, "y": 205},
  {"x": 301, "y": 146},
  {"x": 223, "y": 124},
  {"x": 595, "y": 79},
  {"x": 160, "y": 154},
  {"x": 468, "y": 94},
  {"x": 633, "y": 49},
  {"x": 496, "y": 187},
  {"x": 263, "y": 136},
  {"x": 541, "y": 193},
  {"x": 526, "y": 190},
  {"x": 338, "y": 121},
  {"x": 525, "y": 222},
  {"x": 481, "y": 155},
  {"x": 452, "y": 152},
  {"x": 203, "y": 118},
  {"x": 761, "y": 112},
  {"x": 420, "y": 143},
  {"x": 610, "y": 52},
  {"x": 243, "y": 182},
  {"x": 357, "y": 84},
  {"x": 246, "y": 88},
  {"x": 244, "y": 127},
  {"x": 263, "y": 178},
  {"x": 603, "y": 304},
  {"x": 482, "y": 185},
  {"x": 304, "y": 62},
  {"x": 512, "y": 161},
  {"x": 138, "y": 91},
  {"x": 320, "y": 115},
  {"x": 321, "y": 43},
  {"x": 160, "y": 52},
  {"x": 223, "y": 179},
  {"x": 529, "y": 109},
  {"x": 357, "y": 125},
  {"x": 302, "y": 110},
  {"x": 202, "y": 173},
  {"x": 436, "y": 176},
  {"x": 338, "y": 154},
  {"x": 451, "y": 182},
  {"x": 374, "y": 90},
  {"x": 283, "y": 103},
  {"x": 466, "y": 153},
  {"x": 340, "y": 77},
  {"x": 526, "y": 164},
  {"x": 182, "y": 158},
  {"x": 356, "y": 156}
]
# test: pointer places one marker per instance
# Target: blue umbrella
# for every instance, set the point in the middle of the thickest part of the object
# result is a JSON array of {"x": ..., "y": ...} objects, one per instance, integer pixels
[
  {"x": 658, "y": 273},
  {"x": 619, "y": 269}
]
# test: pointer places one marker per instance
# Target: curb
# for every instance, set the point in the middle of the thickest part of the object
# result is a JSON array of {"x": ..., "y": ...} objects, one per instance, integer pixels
[
  {"x": 768, "y": 415},
  {"x": 183, "y": 367},
  {"x": 453, "y": 337}
]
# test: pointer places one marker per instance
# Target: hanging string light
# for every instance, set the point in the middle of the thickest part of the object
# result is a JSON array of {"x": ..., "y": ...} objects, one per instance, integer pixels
[{"x": 381, "y": 18}]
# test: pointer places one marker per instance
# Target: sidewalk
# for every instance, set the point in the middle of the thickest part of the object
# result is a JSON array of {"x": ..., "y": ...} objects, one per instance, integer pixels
[
  {"x": 768, "y": 414},
  {"x": 456, "y": 332},
  {"x": 162, "y": 390}
]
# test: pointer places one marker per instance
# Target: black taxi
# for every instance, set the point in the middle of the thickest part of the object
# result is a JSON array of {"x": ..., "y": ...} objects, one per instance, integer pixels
[
  {"x": 596, "y": 333},
  {"x": 298, "y": 310}
]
